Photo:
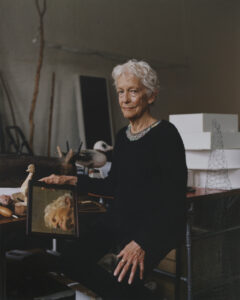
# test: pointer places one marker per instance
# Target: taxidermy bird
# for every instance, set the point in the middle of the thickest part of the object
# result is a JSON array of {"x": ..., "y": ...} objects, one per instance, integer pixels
[
  {"x": 91, "y": 158},
  {"x": 103, "y": 147},
  {"x": 24, "y": 186}
]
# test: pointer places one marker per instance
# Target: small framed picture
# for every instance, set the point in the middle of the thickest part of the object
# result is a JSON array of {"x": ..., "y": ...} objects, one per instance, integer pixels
[{"x": 52, "y": 210}]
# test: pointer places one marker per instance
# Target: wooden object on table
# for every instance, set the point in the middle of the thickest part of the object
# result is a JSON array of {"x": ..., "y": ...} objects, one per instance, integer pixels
[
  {"x": 5, "y": 212},
  {"x": 24, "y": 186},
  {"x": 20, "y": 209}
]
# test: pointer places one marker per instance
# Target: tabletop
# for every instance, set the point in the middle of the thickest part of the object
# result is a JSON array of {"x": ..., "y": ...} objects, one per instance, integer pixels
[{"x": 199, "y": 194}]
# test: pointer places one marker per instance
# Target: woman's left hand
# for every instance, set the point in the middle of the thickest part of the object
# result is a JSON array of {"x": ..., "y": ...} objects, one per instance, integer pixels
[{"x": 132, "y": 256}]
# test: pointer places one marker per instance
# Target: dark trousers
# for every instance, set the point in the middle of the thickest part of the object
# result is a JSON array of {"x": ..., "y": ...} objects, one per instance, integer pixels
[{"x": 79, "y": 261}]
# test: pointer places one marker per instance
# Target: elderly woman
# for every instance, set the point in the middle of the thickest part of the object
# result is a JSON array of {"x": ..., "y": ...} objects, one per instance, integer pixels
[{"x": 148, "y": 181}]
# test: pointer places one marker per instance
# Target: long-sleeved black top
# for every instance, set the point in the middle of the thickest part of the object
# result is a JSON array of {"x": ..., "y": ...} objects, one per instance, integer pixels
[{"x": 148, "y": 181}]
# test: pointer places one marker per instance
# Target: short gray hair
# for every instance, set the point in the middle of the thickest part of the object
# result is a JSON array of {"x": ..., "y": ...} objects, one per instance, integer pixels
[{"x": 141, "y": 70}]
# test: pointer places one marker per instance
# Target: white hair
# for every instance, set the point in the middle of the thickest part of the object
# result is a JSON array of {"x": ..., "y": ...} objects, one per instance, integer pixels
[{"x": 141, "y": 70}]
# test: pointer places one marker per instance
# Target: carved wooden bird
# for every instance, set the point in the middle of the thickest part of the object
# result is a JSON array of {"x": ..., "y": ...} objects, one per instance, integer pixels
[{"x": 24, "y": 186}]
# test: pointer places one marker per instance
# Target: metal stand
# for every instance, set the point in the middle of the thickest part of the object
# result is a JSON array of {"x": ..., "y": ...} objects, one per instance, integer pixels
[{"x": 178, "y": 273}]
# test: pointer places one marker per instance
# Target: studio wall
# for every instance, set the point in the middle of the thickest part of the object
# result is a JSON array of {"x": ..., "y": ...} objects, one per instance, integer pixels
[{"x": 194, "y": 45}]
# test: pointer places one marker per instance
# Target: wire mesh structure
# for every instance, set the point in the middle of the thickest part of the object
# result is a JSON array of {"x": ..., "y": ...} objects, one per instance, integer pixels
[{"x": 217, "y": 173}]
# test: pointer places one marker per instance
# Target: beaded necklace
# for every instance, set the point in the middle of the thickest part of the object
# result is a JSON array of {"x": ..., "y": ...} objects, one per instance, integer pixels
[{"x": 136, "y": 136}]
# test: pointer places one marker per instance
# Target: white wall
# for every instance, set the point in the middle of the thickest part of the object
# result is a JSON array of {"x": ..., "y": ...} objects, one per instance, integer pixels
[
  {"x": 193, "y": 44},
  {"x": 215, "y": 55}
]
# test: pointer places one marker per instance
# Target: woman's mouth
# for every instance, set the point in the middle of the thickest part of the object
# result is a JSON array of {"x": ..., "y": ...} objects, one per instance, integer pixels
[{"x": 128, "y": 108}]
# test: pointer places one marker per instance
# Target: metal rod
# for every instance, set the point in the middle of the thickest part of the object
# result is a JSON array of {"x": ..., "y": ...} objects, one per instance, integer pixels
[
  {"x": 189, "y": 254},
  {"x": 54, "y": 245},
  {"x": 212, "y": 234},
  {"x": 168, "y": 274}
]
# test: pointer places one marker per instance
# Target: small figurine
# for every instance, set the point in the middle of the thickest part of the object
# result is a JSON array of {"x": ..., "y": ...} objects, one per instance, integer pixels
[
  {"x": 103, "y": 147},
  {"x": 24, "y": 186}
]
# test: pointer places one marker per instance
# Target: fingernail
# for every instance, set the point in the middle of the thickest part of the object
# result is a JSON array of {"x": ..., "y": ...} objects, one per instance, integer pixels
[
  {"x": 119, "y": 280},
  {"x": 114, "y": 274}
]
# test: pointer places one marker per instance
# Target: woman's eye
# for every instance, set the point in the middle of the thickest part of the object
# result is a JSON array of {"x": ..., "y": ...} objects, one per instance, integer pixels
[{"x": 133, "y": 91}]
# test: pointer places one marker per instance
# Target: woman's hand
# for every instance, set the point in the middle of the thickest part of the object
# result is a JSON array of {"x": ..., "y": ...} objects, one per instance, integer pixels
[
  {"x": 59, "y": 179},
  {"x": 132, "y": 256}
]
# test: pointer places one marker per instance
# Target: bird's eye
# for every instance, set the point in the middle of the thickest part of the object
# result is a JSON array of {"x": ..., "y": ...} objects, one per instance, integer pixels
[{"x": 104, "y": 146}]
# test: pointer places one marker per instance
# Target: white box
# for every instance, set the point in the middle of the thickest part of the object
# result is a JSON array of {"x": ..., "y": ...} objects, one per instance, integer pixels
[
  {"x": 203, "y": 122},
  {"x": 200, "y": 177},
  {"x": 199, "y": 160},
  {"x": 204, "y": 140}
]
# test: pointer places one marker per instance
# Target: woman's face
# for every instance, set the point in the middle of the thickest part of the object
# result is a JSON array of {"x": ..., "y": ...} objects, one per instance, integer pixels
[{"x": 132, "y": 96}]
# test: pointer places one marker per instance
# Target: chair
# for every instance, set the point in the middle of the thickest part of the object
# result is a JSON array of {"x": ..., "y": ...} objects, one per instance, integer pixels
[{"x": 18, "y": 140}]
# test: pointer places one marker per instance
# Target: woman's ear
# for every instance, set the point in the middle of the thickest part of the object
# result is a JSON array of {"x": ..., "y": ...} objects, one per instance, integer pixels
[{"x": 152, "y": 98}]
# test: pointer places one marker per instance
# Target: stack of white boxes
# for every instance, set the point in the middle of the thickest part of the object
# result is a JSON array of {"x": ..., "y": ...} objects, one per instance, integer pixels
[{"x": 196, "y": 132}]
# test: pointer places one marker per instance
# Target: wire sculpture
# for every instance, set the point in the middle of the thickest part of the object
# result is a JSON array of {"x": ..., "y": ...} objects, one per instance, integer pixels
[{"x": 217, "y": 173}]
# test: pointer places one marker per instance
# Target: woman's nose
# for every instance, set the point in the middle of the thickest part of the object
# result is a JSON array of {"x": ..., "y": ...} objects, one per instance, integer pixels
[{"x": 125, "y": 97}]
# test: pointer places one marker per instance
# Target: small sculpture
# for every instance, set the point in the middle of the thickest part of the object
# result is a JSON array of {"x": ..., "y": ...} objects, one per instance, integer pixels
[
  {"x": 91, "y": 159},
  {"x": 103, "y": 147},
  {"x": 24, "y": 186}
]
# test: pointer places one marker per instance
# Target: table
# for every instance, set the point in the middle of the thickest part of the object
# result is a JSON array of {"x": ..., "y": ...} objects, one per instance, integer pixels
[
  {"x": 211, "y": 214},
  {"x": 7, "y": 225},
  {"x": 11, "y": 225}
]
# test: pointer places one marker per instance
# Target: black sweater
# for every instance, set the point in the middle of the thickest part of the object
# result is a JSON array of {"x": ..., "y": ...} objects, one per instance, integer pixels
[{"x": 148, "y": 181}]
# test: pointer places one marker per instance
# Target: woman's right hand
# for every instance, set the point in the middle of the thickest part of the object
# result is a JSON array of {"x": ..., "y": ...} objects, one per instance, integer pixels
[{"x": 59, "y": 179}]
